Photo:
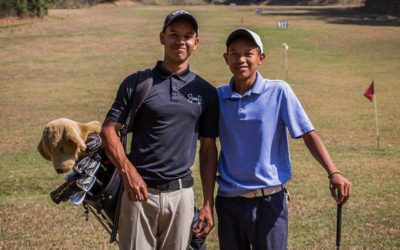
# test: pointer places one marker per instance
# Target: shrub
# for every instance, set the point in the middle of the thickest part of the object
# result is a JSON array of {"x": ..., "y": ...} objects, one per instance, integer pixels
[{"x": 24, "y": 8}]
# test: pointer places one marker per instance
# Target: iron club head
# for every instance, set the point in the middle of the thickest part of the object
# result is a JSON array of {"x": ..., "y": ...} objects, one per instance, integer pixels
[{"x": 78, "y": 197}]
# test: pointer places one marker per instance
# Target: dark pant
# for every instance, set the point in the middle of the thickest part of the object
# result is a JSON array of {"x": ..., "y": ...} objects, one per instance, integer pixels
[{"x": 261, "y": 222}]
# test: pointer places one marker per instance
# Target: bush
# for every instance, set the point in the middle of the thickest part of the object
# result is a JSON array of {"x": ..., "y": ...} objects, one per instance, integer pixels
[
  {"x": 24, "y": 8},
  {"x": 383, "y": 6}
]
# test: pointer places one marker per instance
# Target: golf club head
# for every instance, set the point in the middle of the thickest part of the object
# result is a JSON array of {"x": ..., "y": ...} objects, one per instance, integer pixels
[
  {"x": 93, "y": 144},
  {"x": 86, "y": 183},
  {"x": 92, "y": 168},
  {"x": 82, "y": 164},
  {"x": 78, "y": 197}
]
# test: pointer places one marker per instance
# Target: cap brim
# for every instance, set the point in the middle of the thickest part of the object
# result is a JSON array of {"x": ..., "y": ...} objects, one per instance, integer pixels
[
  {"x": 243, "y": 33},
  {"x": 187, "y": 17}
]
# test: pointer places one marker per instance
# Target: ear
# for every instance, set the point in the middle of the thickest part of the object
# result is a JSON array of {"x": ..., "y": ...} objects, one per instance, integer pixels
[
  {"x": 72, "y": 133},
  {"x": 226, "y": 57},
  {"x": 93, "y": 127},
  {"x": 41, "y": 151},
  {"x": 196, "y": 42},
  {"x": 262, "y": 58},
  {"x": 162, "y": 37}
]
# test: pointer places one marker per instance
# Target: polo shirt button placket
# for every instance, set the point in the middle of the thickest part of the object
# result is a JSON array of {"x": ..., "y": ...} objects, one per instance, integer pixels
[
  {"x": 174, "y": 90},
  {"x": 241, "y": 112}
]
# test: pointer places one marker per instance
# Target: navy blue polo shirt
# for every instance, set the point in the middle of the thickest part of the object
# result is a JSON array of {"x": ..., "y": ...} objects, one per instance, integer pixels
[{"x": 179, "y": 109}]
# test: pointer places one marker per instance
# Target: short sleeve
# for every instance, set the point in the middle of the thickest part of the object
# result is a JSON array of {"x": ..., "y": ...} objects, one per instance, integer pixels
[
  {"x": 293, "y": 114},
  {"x": 120, "y": 108},
  {"x": 208, "y": 121}
]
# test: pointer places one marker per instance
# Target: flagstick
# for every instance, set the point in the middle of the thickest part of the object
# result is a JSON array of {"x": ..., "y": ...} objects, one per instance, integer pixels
[
  {"x": 286, "y": 60},
  {"x": 286, "y": 65},
  {"x": 376, "y": 120}
]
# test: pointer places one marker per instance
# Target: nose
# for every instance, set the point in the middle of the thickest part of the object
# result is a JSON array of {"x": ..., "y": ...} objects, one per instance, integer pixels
[{"x": 59, "y": 171}]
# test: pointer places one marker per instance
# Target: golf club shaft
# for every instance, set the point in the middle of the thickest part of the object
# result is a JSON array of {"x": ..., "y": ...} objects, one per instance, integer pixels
[{"x": 338, "y": 225}]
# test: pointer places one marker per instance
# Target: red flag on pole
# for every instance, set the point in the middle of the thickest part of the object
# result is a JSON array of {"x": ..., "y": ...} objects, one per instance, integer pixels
[{"x": 369, "y": 93}]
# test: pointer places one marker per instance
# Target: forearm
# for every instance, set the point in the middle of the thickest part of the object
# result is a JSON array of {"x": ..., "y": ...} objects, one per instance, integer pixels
[
  {"x": 208, "y": 168},
  {"x": 319, "y": 151},
  {"x": 133, "y": 183},
  {"x": 113, "y": 146}
]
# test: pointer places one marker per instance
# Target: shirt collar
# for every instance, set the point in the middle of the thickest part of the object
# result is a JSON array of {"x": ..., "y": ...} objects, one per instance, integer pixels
[
  {"x": 185, "y": 75},
  {"x": 257, "y": 88}
]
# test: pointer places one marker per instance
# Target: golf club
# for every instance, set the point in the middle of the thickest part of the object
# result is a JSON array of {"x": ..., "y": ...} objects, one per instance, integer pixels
[
  {"x": 338, "y": 225},
  {"x": 92, "y": 168},
  {"x": 78, "y": 197},
  {"x": 82, "y": 164},
  {"x": 86, "y": 183}
]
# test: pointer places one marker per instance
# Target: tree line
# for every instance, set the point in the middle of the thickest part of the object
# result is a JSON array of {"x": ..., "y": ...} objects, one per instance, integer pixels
[{"x": 39, "y": 8}]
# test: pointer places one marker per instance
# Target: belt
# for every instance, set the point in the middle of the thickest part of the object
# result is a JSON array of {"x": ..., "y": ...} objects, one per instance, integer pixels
[
  {"x": 263, "y": 192},
  {"x": 185, "y": 182}
]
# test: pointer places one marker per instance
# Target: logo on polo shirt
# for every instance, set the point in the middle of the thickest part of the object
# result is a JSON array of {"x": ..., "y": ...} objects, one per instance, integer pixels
[{"x": 195, "y": 99}]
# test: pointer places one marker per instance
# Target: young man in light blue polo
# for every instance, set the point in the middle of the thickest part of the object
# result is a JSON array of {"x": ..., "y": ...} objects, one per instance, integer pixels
[{"x": 254, "y": 164}]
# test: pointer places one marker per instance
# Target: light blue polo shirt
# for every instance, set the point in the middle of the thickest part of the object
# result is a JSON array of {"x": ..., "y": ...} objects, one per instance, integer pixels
[{"x": 253, "y": 135}]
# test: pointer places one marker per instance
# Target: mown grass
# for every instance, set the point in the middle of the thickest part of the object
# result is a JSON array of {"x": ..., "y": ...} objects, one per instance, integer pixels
[{"x": 70, "y": 63}]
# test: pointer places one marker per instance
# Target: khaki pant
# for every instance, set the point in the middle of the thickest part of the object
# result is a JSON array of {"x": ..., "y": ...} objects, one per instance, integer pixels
[{"x": 164, "y": 221}]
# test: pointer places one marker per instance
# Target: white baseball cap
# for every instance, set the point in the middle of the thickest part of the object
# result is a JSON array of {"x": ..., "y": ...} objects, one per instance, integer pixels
[{"x": 245, "y": 33}]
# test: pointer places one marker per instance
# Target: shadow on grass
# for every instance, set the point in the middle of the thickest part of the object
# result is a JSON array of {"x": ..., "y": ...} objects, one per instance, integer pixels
[{"x": 341, "y": 15}]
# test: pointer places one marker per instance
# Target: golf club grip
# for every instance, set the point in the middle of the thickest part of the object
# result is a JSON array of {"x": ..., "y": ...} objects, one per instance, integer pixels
[
  {"x": 338, "y": 225},
  {"x": 63, "y": 192}
]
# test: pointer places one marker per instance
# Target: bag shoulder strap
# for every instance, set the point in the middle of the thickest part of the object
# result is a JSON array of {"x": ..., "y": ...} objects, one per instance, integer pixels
[{"x": 144, "y": 82}]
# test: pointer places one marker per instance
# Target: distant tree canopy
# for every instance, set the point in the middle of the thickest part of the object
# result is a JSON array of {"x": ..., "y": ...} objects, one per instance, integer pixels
[
  {"x": 24, "y": 8},
  {"x": 39, "y": 8},
  {"x": 383, "y": 6}
]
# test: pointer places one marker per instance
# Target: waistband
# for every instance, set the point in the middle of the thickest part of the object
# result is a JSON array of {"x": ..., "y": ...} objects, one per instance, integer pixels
[
  {"x": 263, "y": 192},
  {"x": 185, "y": 182}
]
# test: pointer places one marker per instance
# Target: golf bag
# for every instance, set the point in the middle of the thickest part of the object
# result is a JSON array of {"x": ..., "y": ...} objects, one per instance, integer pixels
[
  {"x": 97, "y": 184},
  {"x": 93, "y": 182}
]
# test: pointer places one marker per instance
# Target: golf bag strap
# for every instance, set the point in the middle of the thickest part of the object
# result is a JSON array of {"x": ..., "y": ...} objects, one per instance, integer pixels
[{"x": 144, "y": 82}]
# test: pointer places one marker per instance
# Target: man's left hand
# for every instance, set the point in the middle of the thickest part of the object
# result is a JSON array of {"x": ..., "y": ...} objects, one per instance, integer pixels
[
  {"x": 205, "y": 222},
  {"x": 340, "y": 188}
]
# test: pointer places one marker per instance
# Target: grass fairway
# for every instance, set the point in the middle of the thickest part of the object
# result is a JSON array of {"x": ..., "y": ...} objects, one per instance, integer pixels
[{"x": 70, "y": 65}]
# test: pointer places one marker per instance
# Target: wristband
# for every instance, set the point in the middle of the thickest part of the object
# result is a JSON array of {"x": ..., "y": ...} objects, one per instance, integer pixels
[{"x": 334, "y": 172}]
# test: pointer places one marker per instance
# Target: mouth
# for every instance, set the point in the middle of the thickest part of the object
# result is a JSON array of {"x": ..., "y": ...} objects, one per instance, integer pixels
[
  {"x": 242, "y": 68},
  {"x": 180, "y": 49}
]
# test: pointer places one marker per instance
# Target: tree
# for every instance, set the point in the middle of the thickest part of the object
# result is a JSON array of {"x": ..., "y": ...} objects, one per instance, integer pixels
[{"x": 383, "y": 6}]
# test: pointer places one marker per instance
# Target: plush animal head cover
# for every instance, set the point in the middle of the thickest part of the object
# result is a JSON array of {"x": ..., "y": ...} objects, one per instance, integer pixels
[{"x": 63, "y": 142}]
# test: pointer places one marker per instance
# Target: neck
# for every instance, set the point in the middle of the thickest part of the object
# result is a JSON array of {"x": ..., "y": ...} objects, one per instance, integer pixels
[
  {"x": 242, "y": 85},
  {"x": 173, "y": 67}
]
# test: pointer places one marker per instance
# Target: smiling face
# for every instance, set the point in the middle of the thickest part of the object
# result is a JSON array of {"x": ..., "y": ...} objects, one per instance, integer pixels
[
  {"x": 180, "y": 40},
  {"x": 243, "y": 58}
]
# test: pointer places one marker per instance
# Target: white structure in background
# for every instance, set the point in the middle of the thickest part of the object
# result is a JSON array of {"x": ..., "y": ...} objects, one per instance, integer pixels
[{"x": 283, "y": 24}]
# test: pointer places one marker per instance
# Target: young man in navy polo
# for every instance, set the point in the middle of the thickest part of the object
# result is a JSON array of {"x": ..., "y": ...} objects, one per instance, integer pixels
[
  {"x": 157, "y": 203},
  {"x": 254, "y": 164}
]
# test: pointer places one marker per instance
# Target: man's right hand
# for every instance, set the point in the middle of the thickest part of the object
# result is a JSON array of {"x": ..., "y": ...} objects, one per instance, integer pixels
[{"x": 134, "y": 185}]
